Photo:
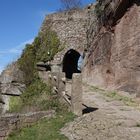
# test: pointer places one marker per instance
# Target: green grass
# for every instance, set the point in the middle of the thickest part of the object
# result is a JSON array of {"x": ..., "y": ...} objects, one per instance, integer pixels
[
  {"x": 46, "y": 129},
  {"x": 44, "y": 47},
  {"x": 126, "y": 100},
  {"x": 37, "y": 96},
  {"x": 15, "y": 104},
  {"x": 114, "y": 95}
]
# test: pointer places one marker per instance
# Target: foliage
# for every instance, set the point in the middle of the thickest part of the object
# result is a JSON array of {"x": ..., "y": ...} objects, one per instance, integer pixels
[
  {"x": 38, "y": 96},
  {"x": 116, "y": 96},
  {"x": 49, "y": 46},
  {"x": 46, "y": 129},
  {"x": 15, "y": 104},
  {"x": 44, "y": 47},
  {"x": 27, "y": 63},
  {"x": 99, "y": 10}
]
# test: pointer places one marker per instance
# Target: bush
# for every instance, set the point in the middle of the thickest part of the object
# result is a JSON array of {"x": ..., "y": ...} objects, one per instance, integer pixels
[
  {"x": 44, "y": 47},
  {"x": 27, "y": 63},
  {"x": 99, "y": 10},
  {"x": 49, "y": 46},
  {"x": 37, "y": 94},
  {"x": 15, "y": 104}
]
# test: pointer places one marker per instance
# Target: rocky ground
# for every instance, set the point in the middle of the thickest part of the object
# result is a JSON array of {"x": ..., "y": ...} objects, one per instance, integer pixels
[{"x": 110, "y": 119}]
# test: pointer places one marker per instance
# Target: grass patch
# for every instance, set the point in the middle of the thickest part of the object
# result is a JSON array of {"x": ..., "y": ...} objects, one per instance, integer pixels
[
  {"x": 37, "y": 96},
  {"x": 114, "y": 95},
  {"x": 46, "y": 129},
  {"x": 15, "y": 104},
  {"x": 40, "y": 95},
  {"x": 94, "y": 88},
  {"x": 126, "y": 100}
]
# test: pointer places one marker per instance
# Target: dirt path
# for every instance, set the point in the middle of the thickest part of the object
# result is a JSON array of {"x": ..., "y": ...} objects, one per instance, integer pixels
[{"x": 110, "y": 120}]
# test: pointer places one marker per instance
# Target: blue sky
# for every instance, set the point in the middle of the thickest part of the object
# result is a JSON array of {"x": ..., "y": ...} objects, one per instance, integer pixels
[{"x": 19, "y": 24}]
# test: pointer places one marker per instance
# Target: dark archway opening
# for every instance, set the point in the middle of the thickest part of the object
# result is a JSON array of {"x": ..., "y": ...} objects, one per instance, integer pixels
[{"x": 70, "y": 62}]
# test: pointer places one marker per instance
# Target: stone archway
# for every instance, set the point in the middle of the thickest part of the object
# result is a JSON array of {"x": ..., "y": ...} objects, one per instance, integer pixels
[{"x": 70, "y": 62}]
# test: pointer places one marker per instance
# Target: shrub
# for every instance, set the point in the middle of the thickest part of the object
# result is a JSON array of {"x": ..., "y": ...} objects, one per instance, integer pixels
[
  {"x": 49, "y": 46},
  {"x": 44, "y": 47},
  {"x": 99, "y": 10},
  {"x": 27, "y": 63}
]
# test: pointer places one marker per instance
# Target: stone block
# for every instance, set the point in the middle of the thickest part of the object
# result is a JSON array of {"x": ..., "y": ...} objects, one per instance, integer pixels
[
  {"x": 76, "y": 94},
  {"x": 62, "y": 83},
  {"x": 54, "y": 81}
]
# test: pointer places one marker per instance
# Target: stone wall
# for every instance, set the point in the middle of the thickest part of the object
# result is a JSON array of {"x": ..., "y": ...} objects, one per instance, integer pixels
[
  {"x": 11, "y": 84},
  {"x": 70, "y": 26}
]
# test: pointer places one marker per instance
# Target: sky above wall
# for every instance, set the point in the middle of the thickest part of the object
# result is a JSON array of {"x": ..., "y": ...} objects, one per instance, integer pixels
[{"x": 19, "y": 24}]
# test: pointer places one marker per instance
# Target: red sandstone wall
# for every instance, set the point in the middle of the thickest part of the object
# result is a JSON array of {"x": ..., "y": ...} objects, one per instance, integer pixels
[
  {"x": 113, "y": 59},
  {"x": 125, "y": 53}
]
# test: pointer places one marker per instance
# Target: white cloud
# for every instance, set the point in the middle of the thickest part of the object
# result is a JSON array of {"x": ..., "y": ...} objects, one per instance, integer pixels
[
  {"x": 17, "y": 49},
  {"x": 7, "y": 56}
]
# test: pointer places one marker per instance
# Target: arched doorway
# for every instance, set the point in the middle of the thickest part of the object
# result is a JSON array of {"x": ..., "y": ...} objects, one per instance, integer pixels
[{"x": 70, "y": 62}]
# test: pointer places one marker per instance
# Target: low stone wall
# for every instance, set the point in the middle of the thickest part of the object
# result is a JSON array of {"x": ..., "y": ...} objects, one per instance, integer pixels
[{"x": 10, "y": 122}]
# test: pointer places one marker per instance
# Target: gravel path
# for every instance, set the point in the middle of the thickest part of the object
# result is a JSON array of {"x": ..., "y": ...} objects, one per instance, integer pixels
[{"x": 109, "y": 120}]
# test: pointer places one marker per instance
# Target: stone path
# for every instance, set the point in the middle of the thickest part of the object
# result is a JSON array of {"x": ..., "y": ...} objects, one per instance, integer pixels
[{"x": 110, "y": 120}]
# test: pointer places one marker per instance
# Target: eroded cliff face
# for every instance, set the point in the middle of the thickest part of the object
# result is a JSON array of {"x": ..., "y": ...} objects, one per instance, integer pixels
[
  {"x": 11, "y": 84},
  {"x": 109, "y": 30},
  {"x": 113, "y": 58}
]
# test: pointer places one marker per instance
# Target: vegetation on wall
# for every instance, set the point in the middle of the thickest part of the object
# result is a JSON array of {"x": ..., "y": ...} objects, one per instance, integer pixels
[
  {"x": 99, "y": 12},
  {"x": 37, "y": 95},
  {"x": 44, "y": 47},
  {"x": 27, "y": 63},
  {"x": 49, "y": 46}
]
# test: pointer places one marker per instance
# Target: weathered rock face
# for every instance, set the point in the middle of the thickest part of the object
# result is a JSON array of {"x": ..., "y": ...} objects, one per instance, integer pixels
[
  {"x": 11, "y": 84},
  {"x": 11, "y": 80},
  {"x": 110, "y": 11},
  {"x": 125, "y": 57},
  {"x": 113, "y": 58},
  {"x": 110, "y": 32}
]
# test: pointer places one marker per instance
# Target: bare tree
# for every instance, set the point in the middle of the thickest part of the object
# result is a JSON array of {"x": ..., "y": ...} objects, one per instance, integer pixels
[{"x": 70, "y": 4}]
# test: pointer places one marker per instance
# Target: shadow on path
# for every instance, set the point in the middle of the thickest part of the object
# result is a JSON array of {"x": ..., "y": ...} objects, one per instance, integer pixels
[{"x": 88, "y": 109}]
